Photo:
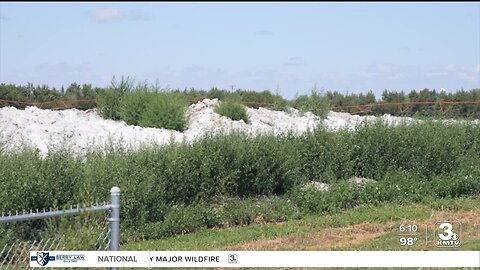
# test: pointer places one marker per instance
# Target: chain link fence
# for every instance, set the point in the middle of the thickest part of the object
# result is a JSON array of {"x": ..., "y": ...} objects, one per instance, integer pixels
[{"x": 93, "y": 228}]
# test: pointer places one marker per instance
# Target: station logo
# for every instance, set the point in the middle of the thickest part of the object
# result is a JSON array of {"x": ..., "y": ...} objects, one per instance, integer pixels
[
  {"x": 448, "y": 234},
  {"x": 232, "y": 258}
]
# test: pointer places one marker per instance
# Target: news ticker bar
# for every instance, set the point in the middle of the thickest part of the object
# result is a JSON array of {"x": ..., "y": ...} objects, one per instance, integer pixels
[{"x": 254, "y": 259}]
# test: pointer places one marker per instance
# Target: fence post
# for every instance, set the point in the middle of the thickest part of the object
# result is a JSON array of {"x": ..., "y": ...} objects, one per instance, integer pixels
[{"x": 115, "y": 219}]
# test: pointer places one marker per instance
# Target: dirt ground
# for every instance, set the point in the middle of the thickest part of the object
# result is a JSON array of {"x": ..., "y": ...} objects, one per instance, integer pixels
[{"x": 356, "y": 235}]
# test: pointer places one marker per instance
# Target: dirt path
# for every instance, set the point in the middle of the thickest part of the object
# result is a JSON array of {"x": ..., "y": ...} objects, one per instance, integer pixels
[{"x": 332, "y": 238}]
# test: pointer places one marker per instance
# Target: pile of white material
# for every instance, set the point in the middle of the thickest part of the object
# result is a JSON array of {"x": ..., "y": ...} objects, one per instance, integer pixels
[{"x": 81, "y": 131}]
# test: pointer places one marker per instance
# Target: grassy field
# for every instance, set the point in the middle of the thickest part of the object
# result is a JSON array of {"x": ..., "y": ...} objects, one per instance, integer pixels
[
  {"x": 362, "y": 228},
  {"x": 372, "y": 228}
]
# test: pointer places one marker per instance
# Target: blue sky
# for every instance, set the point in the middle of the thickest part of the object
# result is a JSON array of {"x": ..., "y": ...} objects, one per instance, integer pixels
[{"x": 284, "y": 47}]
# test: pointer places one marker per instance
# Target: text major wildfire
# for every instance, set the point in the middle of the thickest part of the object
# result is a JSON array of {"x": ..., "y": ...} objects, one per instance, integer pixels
[{"x": 186, "y": 259}]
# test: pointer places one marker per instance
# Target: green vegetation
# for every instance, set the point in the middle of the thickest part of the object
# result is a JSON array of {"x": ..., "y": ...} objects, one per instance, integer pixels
[
  {"x": 232, "y": 109},
  {"x": 164, "y": 110},
  {"x": 223, "y": 181},
  {"x": 143, "y": 105},
  {"x": 110, "y": 101},
  {"x": 31, "y": 93},
  {"x": 181, "y": 188},
  {"x": 133, "y": 105},
  {"x": 418, "y": 110},
  {"x": 234, "y": 180},
  {"x": 317, "y": 103},
  {"x": 230, "y": 238}
]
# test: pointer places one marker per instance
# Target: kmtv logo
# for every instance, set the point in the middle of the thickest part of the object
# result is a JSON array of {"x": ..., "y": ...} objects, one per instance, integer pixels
[{"x": 448, "y": 234}]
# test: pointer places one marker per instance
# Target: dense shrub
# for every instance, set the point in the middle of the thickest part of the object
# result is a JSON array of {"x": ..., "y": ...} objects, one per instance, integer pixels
[
  {"x": 325, "y": 158},
  {"x": 217, "y": 93},
  {"x": 264, "y": 99},
  {"x": 143, "y": 105},
  {"x": 425, "y": 148},
  {"x": 164, "y": 110},
  {"x": 232, "y": 109},
  {"x": 409, "y": 163},
  {"x": 237, "y": 211},
  {"x": 132, "y": 106},
  {"x": 316, "y": 103},
  {"x": 108, "y": 100},
  {"x": 340, "y": 196},
  {"x": 181, "y": 220}
]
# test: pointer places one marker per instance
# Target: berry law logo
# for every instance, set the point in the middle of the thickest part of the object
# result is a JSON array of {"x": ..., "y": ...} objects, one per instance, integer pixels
[
  {"x": 448, "y": 234},
  {"x": 43, "y": 258}
]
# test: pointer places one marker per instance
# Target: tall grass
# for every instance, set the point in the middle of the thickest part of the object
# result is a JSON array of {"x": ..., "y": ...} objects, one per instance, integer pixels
[
  {"x": 164, "y": 110},
  {"x": 108, "y": 101},
  {"x": 232, "y": 109},
  {"x": 317, "y": 103},
  {"x": 409, "y": 163},
  {"x": 147, "y": 106},
  {"x": 143, "y": 105}
]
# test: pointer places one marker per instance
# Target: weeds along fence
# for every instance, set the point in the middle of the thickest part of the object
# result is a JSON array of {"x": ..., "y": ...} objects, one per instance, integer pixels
[
  {"x": 86, "y": 103},
  {"x": 98, "y": 233},
  {"x": 52, "y": 105},
  {"x": 405, "y": 108},
  {"x": 399, "y": 108}
]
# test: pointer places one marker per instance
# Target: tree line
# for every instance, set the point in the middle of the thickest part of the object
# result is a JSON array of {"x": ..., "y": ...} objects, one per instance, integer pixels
[{"x": 320, "y": 101}]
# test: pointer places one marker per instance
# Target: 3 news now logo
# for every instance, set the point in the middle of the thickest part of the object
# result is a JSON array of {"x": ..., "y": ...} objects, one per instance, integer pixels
[
  {"x": 43, "y": 258},
  {"x": 448, "y": 234}
]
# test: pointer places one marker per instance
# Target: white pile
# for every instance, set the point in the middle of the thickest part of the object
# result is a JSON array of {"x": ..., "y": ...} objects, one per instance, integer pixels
[
  {"x": 336, "y": 121},
  {"x": 80, "y": 131}
]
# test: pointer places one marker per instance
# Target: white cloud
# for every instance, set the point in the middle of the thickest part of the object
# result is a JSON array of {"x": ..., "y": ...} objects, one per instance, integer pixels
[
  {"x": 469, "y": 74},
  {"x": 102, "y": 15}
]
